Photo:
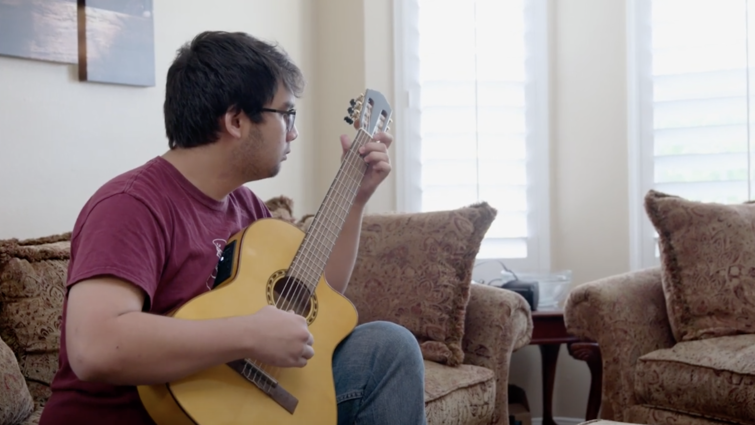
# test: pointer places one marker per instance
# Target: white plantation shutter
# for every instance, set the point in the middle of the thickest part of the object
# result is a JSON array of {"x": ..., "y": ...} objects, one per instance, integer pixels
[
  {"x": 474, "y": 76},
  {"x": 693, "y": 73}
]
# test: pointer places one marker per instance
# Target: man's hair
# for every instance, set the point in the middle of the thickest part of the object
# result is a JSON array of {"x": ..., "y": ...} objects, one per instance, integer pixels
[{"x": 218, "y": 71}]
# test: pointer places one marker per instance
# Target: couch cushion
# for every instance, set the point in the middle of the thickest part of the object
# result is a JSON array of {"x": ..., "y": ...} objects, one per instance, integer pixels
[
  {"x": 640, "y": 414},
  {"x": 713, "y": 377},
  {"x": 459, "y": 395},
  {"x": 35, "y": 416},
  {"x": 32, "y": 282},
  {"x": 708, "y": 265},
  {"x": 15, "y": 401},
  {"x": 416, "y": 270}
]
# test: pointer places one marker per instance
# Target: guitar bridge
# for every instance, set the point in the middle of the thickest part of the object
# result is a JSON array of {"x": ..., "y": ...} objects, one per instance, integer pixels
[{"x": 265, "y": 383}]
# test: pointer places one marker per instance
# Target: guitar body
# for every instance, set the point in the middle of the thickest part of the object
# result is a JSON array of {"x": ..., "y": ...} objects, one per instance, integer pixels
[{"x": 220, "y": 395}]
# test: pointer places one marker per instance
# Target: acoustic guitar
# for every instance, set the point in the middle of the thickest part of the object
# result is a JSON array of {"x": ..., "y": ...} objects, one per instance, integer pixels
[{"x": 272, "y": 262}]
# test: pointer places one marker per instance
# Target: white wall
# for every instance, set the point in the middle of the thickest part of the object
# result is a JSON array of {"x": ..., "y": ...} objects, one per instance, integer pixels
[{"x": 60, "y": 139}]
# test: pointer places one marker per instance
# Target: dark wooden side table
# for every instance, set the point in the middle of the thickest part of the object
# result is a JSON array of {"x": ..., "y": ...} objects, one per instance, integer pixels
[{"x": 549, "y": 333}]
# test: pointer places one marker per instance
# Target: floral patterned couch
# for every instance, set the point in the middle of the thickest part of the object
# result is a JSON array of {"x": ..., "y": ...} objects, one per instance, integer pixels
[
  {"x": 678, "y": 340},
  {"x": 413, "y": 269}
]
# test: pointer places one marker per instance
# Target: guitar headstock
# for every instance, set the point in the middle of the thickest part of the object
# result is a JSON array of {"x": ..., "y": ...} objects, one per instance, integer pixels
[{"x": 370, "y": 112}]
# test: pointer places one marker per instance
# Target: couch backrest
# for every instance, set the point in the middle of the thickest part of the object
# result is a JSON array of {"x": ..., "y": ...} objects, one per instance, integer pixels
[{"x": 32, "y": 286}]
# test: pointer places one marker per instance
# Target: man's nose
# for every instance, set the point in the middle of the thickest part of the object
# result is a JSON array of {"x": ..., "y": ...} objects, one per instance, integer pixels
[{"x": 293, "y": 134}]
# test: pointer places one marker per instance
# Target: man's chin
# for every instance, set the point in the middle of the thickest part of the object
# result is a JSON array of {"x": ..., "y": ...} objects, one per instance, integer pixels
[{"x": 275, "y": 171}]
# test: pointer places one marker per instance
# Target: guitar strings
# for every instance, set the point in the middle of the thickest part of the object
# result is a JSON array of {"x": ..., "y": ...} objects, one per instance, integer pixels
[
  {"x": 310, "y": 271},
  {"x": 345, "y": 186},
  {"x": 355, "y": 167},
  {"x": 301, "y": 296},
  {"x": 338, "y": 189}
]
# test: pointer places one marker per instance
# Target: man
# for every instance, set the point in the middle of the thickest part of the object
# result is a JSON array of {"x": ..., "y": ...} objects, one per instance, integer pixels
[{"x": 148, "y": 241}]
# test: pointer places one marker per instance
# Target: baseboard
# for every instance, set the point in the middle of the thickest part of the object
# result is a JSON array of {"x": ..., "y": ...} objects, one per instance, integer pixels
[{"x": 559, "y": 421}]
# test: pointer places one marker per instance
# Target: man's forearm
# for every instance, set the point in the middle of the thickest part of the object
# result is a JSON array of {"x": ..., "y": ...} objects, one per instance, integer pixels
[
  {"x": 342, "y": 259},
  {"x": 139, "y": 348}
]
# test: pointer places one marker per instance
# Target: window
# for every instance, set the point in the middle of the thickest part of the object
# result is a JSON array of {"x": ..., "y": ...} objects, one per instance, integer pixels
[
  {"x": 472, "y": 82},
  {"x": 690, "y": 100}
]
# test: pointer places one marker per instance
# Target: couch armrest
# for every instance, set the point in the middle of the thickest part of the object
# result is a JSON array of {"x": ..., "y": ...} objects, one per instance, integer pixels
[
  {"x": 626, "y": 315},
  {"x": 498, "y": 322}
]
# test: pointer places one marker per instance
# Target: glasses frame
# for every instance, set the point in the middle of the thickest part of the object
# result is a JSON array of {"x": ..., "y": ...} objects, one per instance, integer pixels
[{"x": 289, "y": 116}]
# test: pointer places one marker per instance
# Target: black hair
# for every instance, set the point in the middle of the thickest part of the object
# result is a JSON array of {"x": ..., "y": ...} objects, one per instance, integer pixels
[{"x": 218, "y": 71}]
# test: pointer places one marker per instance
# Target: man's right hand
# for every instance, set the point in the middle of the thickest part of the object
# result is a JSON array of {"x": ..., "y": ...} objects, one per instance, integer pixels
[{"x": 281, "y": 338}]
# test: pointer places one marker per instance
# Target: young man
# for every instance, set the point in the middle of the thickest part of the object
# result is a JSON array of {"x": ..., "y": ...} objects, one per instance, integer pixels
[{"x": 148, "y": 241}]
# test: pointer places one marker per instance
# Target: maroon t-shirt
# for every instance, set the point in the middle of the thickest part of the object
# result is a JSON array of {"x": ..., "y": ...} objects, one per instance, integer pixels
[{"x": 153, "y": 228}]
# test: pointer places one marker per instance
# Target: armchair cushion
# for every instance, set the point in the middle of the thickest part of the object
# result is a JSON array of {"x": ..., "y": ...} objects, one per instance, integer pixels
[
  {"x": 416, "y": 270},
  {"x": 459, "y": 395},
  {"x": 715, "y": 376},
  {"x": 15, "y": 400},
  {"x": 708, "y": 265}
]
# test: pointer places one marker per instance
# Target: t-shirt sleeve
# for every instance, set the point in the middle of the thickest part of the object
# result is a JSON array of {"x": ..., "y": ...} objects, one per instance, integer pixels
[{"x": 120, "y": 237}]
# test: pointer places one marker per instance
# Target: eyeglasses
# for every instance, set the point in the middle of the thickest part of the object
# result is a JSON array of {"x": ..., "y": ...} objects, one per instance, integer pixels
[{"x": 289, "y": 117}]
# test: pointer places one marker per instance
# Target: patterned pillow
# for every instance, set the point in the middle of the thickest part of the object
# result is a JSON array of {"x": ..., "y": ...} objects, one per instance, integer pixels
[
  {"x": 416, "y": 269},
  {"x": 15, "y": 401},
  {"x": 32, "y": 282},
  {"x": 707, "y": 265}
]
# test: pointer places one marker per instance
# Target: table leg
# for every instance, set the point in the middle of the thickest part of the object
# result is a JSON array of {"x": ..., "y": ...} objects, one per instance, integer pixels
[
  {"x": 549, "y": 354},
  {"x": 589, "y": 352}
]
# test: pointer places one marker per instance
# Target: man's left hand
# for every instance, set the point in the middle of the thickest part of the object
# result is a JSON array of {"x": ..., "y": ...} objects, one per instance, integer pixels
[{"x": 375, "y": 154}]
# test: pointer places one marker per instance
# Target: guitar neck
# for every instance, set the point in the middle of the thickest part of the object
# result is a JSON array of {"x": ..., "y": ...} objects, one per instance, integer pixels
[{"x": 309, "y": 262}]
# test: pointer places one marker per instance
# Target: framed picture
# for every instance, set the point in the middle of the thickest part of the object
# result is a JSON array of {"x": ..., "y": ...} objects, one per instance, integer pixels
[
  {"x": 39, "y": 29},
  {"x": 111, "y": 41},
  {"x": 116, "y": 42}
]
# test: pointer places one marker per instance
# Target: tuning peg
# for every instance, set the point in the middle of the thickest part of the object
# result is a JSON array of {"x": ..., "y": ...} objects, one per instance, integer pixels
[
  {"x": 351, "y": 110},
  {"x": 352, "y": 102},
  {"x": 348, "y": 120}
]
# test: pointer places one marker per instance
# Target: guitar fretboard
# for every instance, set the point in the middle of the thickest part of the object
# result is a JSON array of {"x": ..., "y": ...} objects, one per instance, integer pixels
[{"x": 309, "y": 262}]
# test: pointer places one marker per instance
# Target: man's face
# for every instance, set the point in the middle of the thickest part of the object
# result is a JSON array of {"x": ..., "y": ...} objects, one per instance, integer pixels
[{"x": 266, "y": 144}]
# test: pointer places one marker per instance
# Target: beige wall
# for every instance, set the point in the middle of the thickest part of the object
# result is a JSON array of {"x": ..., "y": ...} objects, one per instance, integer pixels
[
  {"x": 589, "y": 187},
  {"x": 355, "y": 52},
  {"x": 61, "y": 139}
]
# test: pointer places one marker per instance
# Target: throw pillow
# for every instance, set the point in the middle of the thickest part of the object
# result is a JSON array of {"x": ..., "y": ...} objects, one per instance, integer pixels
[
  {"x": 32, "y": 282},
  {"x": 416, "y": 270},
  {"x": 16, "y": 403},
  {"x": 707, "y": 265}
]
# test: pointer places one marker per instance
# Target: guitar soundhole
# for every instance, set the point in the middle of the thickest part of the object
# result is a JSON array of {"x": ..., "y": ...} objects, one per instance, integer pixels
[{"x": 288, "y": 293}]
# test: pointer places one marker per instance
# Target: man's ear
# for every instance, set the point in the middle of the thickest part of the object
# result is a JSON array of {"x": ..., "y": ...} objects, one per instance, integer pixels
[{"x": 231, "y": 122}]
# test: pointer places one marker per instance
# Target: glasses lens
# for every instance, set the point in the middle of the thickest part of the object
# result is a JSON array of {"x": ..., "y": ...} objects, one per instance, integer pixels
[{"x": 290, "y": 121}]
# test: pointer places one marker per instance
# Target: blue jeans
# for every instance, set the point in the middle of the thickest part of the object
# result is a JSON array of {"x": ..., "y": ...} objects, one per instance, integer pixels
[{"x": 379, "y": 377}]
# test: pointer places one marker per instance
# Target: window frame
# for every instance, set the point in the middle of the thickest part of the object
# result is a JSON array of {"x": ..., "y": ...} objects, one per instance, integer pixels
[
  {"x": 643, "y": 239},
  {"x": 538, "y": 122},
  {"x": 642, "y": 243}
]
